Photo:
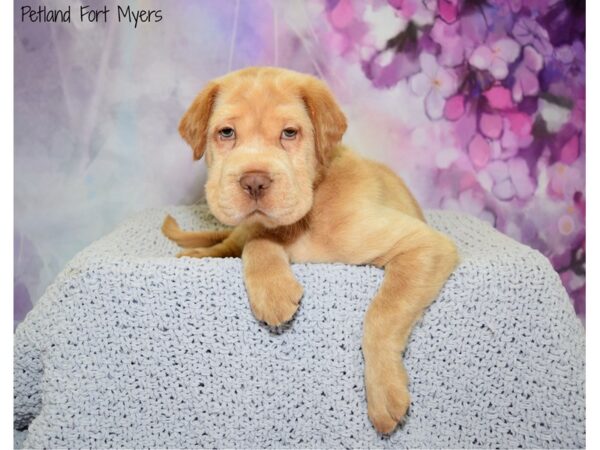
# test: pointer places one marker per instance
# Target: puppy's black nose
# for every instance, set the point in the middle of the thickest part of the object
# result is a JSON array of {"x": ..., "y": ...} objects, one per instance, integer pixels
[{"x": 255, "y": 183}]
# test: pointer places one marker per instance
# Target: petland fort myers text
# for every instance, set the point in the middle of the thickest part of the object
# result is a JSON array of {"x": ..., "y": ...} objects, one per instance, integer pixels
[{"x": 90, "y": 14}]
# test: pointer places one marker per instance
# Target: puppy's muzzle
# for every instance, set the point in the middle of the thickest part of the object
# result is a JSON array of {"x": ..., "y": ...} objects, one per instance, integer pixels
[{"x": 255, "y": 184}]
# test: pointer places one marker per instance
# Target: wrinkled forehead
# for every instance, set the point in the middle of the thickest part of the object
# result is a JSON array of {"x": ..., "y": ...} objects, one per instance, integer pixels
[{"x": 259, "y": 100}]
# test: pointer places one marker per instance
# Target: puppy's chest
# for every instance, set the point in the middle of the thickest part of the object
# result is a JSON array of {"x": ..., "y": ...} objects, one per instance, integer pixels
[
  {"x": 323, "y": 245},
  {"x": 309, "y": 248}
]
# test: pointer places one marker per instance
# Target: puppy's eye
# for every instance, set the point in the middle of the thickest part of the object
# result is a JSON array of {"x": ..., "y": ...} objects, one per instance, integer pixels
[
  {"x": 289, "y": 133},
  {"x": 227, "y": 133}
]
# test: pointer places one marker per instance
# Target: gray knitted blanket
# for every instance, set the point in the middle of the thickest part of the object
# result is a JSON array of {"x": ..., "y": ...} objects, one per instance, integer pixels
[{"x": 131, "y": 347}]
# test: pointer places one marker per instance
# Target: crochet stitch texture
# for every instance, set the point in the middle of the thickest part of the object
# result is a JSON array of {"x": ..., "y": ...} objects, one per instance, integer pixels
[{"x": 131, "y": 347}]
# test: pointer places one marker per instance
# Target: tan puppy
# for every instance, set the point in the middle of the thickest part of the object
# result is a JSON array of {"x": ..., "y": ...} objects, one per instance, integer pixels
[{"x": 279, "y": 174}]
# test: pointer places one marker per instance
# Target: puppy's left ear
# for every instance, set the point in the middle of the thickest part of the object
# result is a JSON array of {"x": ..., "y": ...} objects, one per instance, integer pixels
[
  {"x": 329, "y": 122},
  {"x": 193, "y": 126}
]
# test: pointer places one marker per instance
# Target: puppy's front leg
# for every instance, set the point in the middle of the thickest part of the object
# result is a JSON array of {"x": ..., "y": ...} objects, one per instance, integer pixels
[
  {"x": 273, "y": 291},
  {"x": 415, "y": 271}
]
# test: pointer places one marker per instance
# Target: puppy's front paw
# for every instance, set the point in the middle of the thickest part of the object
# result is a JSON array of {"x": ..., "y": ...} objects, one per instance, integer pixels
[
  {"x": 387, "y": 395},
  {"x": 194, "y": 253},
  {"x": 274, "y": 299}
]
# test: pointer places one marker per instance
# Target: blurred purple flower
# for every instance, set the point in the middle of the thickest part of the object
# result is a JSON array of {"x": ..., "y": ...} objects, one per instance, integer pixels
[
  {"x": 517, "y": 128},
  {"x": 473, "y": 29},
  {"x": 564, "y": 20},
  {"x": 479, "y": 151},
  {"x": 448, "y": 10},
  {"x": 511, "y": 6},
  {"x": 565, "y": 181},
  {"x": 435, "y": 83},
  {"x": 526, "y": 74},
  {"x": 572, "y": 57},
  {"x": 386, "y": 75},
  {"x": 508, "y": 179},
  {"x": 570, "y": 151},
  {"x": 508, "y": 118},
  {"x": 459, "y": 38},
  {"x": 342, "y": 15},
  {"x": 515, "y": 5},
  {"x": 471, "y": 201},
  {"x": 496, "y": 57},
  {"x": 420, "y": 12},
  {"x": 528, "y": 31},
  {"x": 450, "y": 41}
]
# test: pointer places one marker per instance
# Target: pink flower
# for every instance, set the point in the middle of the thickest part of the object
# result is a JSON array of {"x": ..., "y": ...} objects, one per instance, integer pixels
[
  {"x": 508, "y": 132},
  {"x": 519, "y": 123},
  {"x": 570, "y": 151},
  {"x": 491, "y": 125},
  {"x": 496, "y": 57},
  {"x": 435, "y": 83},
  {"x": 448, "y": 10},
  {"x": 342, "y": 15},
  {"x": 526, "y": 74},
  {"x": 479, "y": 151},
  {"x": 454, "y": 107},
  {"x": 498, "y": 97}
]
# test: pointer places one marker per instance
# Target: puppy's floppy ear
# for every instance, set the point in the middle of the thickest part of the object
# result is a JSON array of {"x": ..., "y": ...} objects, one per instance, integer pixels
[
  {"x": 194, "y": 123},
  {"x": 328, "y": 120}
]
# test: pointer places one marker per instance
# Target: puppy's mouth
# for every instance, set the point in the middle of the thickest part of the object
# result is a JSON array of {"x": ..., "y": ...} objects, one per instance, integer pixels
[{"x": 257, "y": 212}]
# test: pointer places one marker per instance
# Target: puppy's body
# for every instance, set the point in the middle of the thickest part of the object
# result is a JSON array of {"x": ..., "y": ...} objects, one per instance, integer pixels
[
  {"x": 309, "y": 199},
  {"x": 353, "y": 209}
]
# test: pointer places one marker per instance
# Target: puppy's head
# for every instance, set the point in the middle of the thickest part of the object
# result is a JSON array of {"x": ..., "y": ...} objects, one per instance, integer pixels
[{"x": 267, "y": 134}]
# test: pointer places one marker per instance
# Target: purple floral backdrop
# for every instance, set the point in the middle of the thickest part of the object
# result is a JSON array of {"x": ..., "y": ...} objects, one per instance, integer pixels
[
  {"x": 505, "y": 79},
  {"x": 478, "y": 104}
]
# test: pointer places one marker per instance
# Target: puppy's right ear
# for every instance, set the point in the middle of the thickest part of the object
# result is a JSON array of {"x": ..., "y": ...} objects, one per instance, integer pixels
[{"x": 194, "y": 123}]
